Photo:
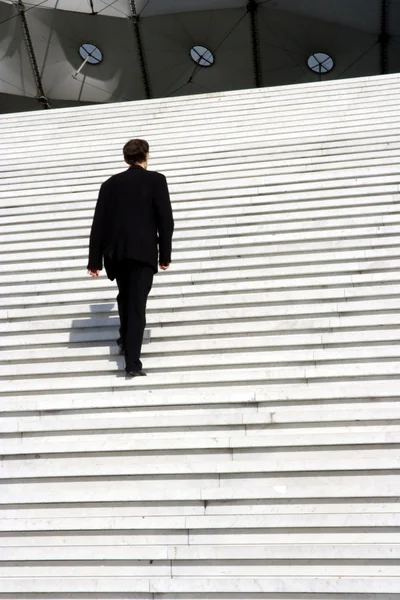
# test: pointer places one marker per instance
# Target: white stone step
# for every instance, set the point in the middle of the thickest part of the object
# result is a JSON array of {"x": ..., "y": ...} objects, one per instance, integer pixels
[
  {"x": 235, "y": 522},
  {"x": 195, "y": 553},
  {"x": 156, "y": 464},
  {"x": 197, "y": 540},
  {"x": 198, "y": 507},
  {"x": 125, "y": 442},
  {"x": 261, "y": 506},
  {"x": 270, "y": 465},
  {"x": 220, "y": 430},
  {"x": 210, "y": 586},
  {"x": 243, "y": 402},
  {"x": 176, "y": 570},
  {"x": 186, "y": 426},
  {"x": 207, "y": 396},
  {"x": 375, "y": 414},
  {"x": 201, "y": 488}
]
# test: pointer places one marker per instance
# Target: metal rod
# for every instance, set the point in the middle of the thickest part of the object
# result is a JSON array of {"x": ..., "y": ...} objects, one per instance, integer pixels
[
  {"x": 384, "y": 37},
  {"x": 252, "y": 8},
  {"x": 135, "y": 20},
  {"x": 82, "y": 65},
  {"x": 41, "y": 95}
]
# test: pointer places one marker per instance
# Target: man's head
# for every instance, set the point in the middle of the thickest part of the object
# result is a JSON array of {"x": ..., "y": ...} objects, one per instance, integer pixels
[{"x": 136, "y": 152}]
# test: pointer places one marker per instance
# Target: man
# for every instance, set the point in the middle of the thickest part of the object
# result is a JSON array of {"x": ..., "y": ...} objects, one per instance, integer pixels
[{"x": 132, "y": 230}]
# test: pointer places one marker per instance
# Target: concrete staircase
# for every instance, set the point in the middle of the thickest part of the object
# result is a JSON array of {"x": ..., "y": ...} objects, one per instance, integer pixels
[{"x": 260, "y": 458}]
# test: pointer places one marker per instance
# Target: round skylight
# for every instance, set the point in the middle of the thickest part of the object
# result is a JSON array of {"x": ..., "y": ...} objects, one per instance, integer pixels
[
  {"x": 92, "y": 53},
  {"x": 320, "y": 62},
  {"x": 202, "y": 56}
]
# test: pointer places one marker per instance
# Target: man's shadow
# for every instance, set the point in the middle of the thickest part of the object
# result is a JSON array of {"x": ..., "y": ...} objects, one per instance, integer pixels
[{"x": 98, "y": 332}]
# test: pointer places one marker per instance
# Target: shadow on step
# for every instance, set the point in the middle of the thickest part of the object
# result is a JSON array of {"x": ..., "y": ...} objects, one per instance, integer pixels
[{"x": 97, "y": 333}]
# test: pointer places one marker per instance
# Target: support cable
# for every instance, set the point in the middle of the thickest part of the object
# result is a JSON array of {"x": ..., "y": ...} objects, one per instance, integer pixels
[
  {"x": 384, "y": 38},
  {"x": 92, "y": 8},
  {"x": 135, "y": 20},
  {"x": 41, "y": 95},
  {"x": 252, "y": 8}
]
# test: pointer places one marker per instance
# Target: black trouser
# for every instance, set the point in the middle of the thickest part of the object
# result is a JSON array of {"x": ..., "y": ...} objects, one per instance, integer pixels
[{"x": 134, "y": 281}]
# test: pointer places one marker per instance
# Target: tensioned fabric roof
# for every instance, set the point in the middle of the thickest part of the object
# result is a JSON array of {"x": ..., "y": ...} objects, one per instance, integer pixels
[{"x": 261, "y": 42}]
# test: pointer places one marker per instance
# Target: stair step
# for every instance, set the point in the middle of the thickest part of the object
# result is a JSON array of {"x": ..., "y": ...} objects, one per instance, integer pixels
[
  {"x": 120, "y": 442},
  {"x": 269, "y": 465},
  {"x": 211, "y": 586}
]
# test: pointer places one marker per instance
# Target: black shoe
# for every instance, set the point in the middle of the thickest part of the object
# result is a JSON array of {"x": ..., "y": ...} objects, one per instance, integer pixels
[
  {"x": 120, "y": 346},
  {"x": 136, "y": 373}
]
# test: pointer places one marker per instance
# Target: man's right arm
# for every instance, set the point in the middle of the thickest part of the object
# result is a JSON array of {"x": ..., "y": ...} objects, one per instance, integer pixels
[
  {"x": 95, "y": 262},
  {"x": 164, "y": 219}
]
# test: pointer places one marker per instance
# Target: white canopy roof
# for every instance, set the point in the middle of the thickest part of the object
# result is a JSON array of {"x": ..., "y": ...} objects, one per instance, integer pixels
[{"x": 289, "y": 31}]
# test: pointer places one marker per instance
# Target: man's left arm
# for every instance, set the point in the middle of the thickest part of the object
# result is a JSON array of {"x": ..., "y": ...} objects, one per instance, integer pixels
[
  {"x": 96, "y": 242},
  {"x": 164, "y": 219}
]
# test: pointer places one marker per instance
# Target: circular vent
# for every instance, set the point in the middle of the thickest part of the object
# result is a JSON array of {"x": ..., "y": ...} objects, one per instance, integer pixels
[
  {"x": 92, "y": 53},
  {"x": 320, "y": 62},
  {"x": 202, "y": 56}
]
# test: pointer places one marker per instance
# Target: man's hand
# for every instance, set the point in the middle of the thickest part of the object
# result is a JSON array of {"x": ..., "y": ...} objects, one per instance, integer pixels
[
  {"x": 164, "y": 266},
  {"x": 93, "y": 273}
]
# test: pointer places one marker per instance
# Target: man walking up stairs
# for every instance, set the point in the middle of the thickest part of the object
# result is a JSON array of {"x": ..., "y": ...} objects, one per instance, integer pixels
[{"x": 132, "y": 230}]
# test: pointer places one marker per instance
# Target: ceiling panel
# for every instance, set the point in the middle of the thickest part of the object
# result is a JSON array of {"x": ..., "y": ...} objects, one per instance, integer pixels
[
  {"x": 288, "y": 39},
  {"x": 150, "y": 8},
  {"x": 58, "y": 36},
  {"x": 146, "y": 8},
  {"x": 360, "y": 14},
  {"x": 168, "y": 39},
  {"x": 15, "y": 69}
]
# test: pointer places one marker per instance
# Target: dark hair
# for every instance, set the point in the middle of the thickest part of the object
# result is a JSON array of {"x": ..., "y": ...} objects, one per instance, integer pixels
[{"x": 135, "y": 151}]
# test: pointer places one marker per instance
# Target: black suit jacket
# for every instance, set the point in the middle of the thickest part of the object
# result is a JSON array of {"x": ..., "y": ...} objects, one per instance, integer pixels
[{"x": 133, "y": 219}]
